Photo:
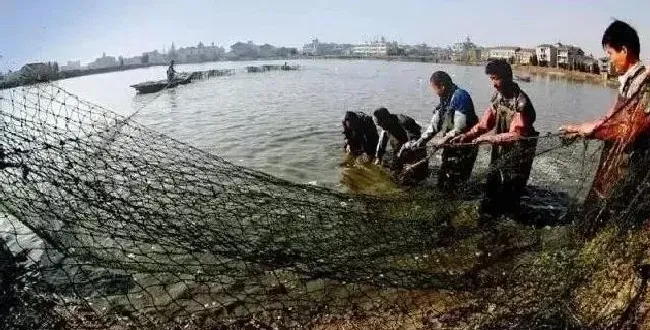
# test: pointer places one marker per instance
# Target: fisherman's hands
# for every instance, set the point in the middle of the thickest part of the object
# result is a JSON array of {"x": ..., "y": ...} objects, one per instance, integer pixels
[
  {"x": 487, "y": 139},
  {"x": 463, "y": 138},
  {"x": 445, "y": 140},
  {"x": 574, "y": 131},
  {"x": 410, "y": 145}
]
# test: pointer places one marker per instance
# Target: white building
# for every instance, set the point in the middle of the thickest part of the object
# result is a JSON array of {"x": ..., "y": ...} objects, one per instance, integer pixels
[
  {"x": 103, "y": 62},
  {"x": 568, "y": 57},
  {"x": 503, "y": 52},
  {"x": 133, "y": 60},
  {"x": 154, "y": 57},
  {"x": 72, "y": 65},
  {"x": 546, "y": 55},
  {"x": 605, "y": 66},
  {"x": 311, "y": 48},
  {"x": 524, "y": 55},
  {"x": 376, "y": 48}
]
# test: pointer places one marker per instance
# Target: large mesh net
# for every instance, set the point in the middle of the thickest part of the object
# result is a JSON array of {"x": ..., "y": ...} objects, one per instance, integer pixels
[{"x": 108, "y": 225}]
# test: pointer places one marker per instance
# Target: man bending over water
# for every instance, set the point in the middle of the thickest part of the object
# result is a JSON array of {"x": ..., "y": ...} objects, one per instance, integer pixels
[
  {"x": 398, "y": 130},
  {"x": 361, "y": 135},
  {"x": 453, "y": 116}
]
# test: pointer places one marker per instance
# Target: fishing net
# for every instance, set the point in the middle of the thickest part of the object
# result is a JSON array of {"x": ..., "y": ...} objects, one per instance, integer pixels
[{"x": 109, "y": 225}]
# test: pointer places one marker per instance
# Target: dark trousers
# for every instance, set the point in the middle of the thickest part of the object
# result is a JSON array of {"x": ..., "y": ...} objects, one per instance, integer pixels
[
  {"x": 409, "y": 158},
  {"x": 507, "y": 178},
  {"x": 456, "y": 167}
]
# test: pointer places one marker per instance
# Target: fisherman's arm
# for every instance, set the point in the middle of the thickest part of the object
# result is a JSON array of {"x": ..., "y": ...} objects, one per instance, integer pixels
[
  {"x": 520, "y": 126},
  {"x": 624, "y": 125},
  {"x": 381, "y": 146},
  {"x": 485, "y": 124},
  {"x": 588, "y": 128},
  {"x": 433, "y": 129},
  {"x": 462, "y": 107}
]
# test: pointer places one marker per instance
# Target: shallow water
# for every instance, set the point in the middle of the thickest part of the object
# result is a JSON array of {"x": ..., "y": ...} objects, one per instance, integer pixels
[{"x": 288, "y": 123}]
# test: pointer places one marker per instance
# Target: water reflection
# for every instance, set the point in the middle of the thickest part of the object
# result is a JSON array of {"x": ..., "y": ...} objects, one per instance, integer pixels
[{"x": 173, "y": 99}]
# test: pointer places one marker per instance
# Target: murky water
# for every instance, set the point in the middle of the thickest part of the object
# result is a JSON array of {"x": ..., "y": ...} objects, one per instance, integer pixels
[{"x": 288, "y": 123}]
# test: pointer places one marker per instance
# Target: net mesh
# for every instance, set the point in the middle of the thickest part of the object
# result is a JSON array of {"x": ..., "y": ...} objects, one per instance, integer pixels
[{"x": 109, "y": 225}]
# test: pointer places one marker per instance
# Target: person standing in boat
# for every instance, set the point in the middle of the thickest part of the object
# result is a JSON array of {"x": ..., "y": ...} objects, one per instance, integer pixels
[
  {"x": 511, "y": 115},
  {"x": 619, "y": 192},
  {"x": 398, "y": 130},
  {"x": 171, "y": 73},
  {"x": 361, "y": 135},
  {"x": 453, "y": 116}
]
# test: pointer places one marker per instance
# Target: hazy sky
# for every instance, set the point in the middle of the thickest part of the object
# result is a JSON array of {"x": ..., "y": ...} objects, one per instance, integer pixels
[{"x": 67, "y": 30}]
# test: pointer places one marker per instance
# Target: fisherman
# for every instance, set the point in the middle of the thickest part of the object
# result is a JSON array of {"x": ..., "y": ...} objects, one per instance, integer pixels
[
  {"x": 511, "y": 115},
  {"x": 361, "y": 135},
  {"x": 398, "y": 130},
  {"x": 171, "y": 72},
  {"x": 620, "y": 191},
  {"x": 453, "y": 116}
]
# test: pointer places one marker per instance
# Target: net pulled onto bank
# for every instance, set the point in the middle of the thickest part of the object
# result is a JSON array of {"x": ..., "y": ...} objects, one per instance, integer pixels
[{"x": 109, "y": 225}]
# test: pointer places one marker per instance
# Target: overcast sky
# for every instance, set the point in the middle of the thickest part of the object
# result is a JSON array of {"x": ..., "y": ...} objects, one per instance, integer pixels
[{"x": 81, "y": 30}]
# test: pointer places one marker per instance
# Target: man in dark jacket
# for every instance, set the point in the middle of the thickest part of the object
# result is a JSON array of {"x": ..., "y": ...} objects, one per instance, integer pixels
[
  {"x": 397, "y": 130},
  {"x": 361, "y": 135}
]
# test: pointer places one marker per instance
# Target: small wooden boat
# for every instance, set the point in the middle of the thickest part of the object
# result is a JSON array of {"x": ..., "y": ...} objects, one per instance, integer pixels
[
  {"x": 155, "y": 86},
  {"x": 181, "y": 79},
  {"x": 522, "y": 78}
]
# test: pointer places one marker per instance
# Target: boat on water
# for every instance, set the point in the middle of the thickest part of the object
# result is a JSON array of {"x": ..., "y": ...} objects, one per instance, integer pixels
[
  {"x": 181, "y": 79},
  {"x": 522, "y": 78},
  {"x": 155, "y": 86}
]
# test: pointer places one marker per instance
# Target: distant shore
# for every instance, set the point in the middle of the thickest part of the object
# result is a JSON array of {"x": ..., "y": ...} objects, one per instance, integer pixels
[
  {"x": 22, "y": 81},
  {"x": 576, "y": 76}
]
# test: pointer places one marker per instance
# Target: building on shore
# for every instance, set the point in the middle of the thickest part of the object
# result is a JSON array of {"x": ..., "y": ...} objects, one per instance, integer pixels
[
  {"x": 72, "y": 65},
  {"x": 133, "y": 60},
  {"x": 604, "y": 66},
  {"x": 568, "y": 56},
  {"x": 466, "y": 52},
  {"x": 524, "y": 56},
  {"x": 311, "y": 49},
  {"x": 546, "y": 55},
  {"x": 317, "y": 48},
  {"x": 200, "y": 53},
  {"x": 375, "y": 48},
  {"x": 588, "y": 64},
  {"x": 153, "y": 57},
  {"x": 504, "y": 53},
  {"x": 512, "y": 54},
  {"x": 103, "y": 62}
]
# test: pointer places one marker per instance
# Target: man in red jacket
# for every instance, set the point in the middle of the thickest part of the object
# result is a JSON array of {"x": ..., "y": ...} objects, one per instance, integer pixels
[
  {"x": 619, "y": 193},
  {"x": 511, "y": 116}
]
